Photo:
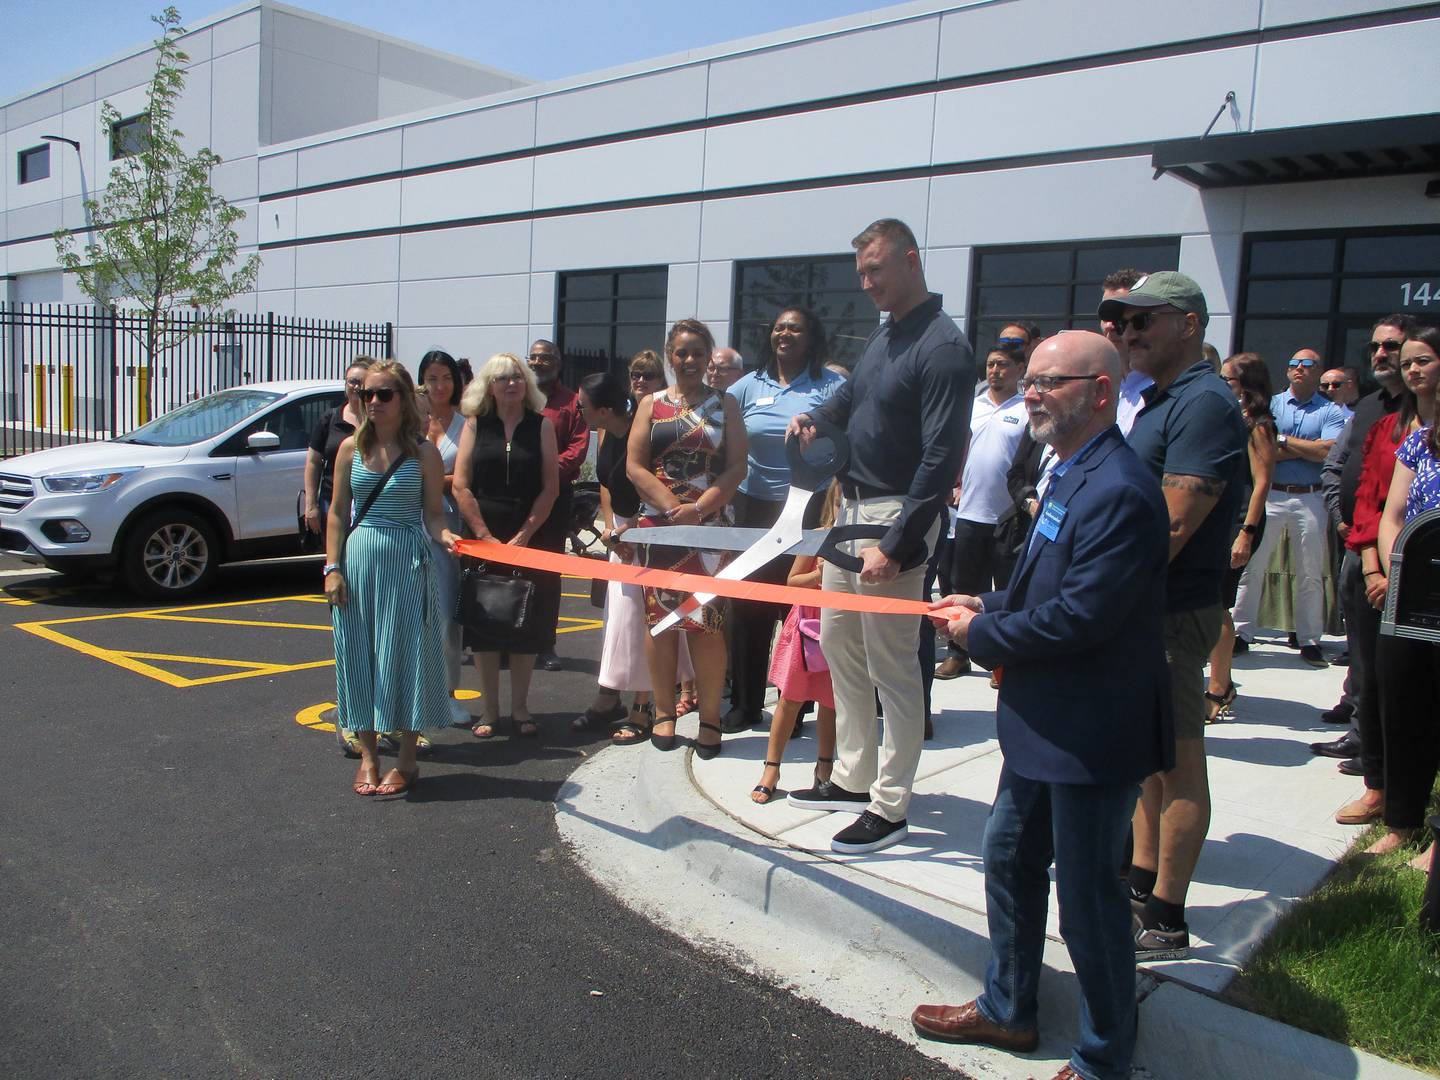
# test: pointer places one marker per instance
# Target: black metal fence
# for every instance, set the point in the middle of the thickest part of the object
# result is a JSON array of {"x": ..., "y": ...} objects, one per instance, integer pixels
[{"x": 75, "y": 373}]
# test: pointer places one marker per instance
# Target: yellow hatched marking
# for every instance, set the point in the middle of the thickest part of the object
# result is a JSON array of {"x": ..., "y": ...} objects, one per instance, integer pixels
[
  {"x": 582, "y": 625},
  {"x": 310, "y": 716},
  {"x": 238, "y": 622}
]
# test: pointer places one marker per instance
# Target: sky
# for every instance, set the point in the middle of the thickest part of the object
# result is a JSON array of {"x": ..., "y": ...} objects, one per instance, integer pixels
[{"x": 44, "y": 40}]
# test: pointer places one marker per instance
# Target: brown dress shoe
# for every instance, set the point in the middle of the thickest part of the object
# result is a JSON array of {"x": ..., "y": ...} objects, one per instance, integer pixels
[
  {"x": 952, "y": 667},
  {"x": 967, "y": 1024},
  {"x": 1358, "y": 813}
]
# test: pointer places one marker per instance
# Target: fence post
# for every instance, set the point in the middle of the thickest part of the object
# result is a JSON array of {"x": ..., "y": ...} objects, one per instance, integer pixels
[
  {"x": 114, "y": 371},
  {"x": 269, "y": 345},
  {"x": 389, "y": 340}
]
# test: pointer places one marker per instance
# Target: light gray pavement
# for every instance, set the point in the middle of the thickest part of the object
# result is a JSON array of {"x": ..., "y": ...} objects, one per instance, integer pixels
[{"x": 871, "y": 936}]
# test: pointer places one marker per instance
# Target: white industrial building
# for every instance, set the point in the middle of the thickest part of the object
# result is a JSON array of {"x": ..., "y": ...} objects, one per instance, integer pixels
[{"x": 1033, "y": 145}]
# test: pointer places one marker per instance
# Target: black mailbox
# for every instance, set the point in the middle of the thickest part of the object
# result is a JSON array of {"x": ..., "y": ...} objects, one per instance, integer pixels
[{"x": 1412, "y": 601}]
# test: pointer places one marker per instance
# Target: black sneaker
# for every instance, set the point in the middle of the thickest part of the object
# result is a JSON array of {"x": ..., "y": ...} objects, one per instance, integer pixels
[
  {"x": 828, "y": 796},
  {"x": 1160, "y": 944},
  {"x": 871, "y": 832},
  {"x": 1312, "y": 655}
]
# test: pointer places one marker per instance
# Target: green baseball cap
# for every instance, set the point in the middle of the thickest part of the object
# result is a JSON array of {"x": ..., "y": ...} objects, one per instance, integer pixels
[{"x": 1157, "y": 290}]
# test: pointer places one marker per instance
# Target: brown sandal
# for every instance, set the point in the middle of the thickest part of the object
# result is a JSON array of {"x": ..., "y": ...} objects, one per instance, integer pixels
[
  {"x": 405, "y": 783},
  {"x": 363, "y": 786}
]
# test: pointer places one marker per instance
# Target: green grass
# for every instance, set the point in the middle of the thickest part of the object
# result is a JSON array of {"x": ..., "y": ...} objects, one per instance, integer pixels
[{"x": 1349, "y": 962}]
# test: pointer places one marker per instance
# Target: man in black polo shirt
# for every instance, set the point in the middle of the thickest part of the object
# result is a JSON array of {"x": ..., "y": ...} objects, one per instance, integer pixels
[
  {"x": 907, "y": 414},
  {"x": 1339, "y": 478},
  {"x": 1193, "y": 437}
]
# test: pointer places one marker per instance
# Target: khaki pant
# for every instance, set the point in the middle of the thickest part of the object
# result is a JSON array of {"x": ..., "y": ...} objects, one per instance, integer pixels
[{"x": 866, "y": 653}]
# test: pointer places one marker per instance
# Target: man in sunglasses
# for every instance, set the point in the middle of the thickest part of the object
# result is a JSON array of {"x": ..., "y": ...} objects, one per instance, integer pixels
[
  {"x": 1307, "y": 425},
  {"x": 1132, "y": 389},
  {"x": 1193, "y": 438},
  {"x": 1019, "y": 337},
  {"x": 572, "y": 437},
  {"x": 1338, "y": 384},
  {"x": 1359, "y": 748}
]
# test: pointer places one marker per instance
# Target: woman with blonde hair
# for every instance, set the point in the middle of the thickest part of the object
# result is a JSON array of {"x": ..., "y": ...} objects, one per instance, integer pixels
[
  {"x": 380, "y": 580},
  {"x": 506, "y": 481}
]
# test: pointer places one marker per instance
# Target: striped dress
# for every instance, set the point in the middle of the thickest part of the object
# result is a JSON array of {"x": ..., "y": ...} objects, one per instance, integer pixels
[{"x": 390, "y": 635}]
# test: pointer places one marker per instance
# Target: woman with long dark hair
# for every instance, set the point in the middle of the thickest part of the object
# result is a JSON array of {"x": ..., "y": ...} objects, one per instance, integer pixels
[
  {"x": 677, "y": 444},
  {"x": 380, "y": 579},
  {"x": 791, "y": 378},
  {"x": 1249, "y": 380},
  {"x": 1407, "y": 671}
]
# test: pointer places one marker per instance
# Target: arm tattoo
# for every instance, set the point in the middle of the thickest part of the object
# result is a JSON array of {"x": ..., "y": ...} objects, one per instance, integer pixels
[{"x": 1200, "y": 485}]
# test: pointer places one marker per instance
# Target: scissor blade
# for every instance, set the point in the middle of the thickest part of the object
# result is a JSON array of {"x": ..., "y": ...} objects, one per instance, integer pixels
[{"x": 718, "y": 538}]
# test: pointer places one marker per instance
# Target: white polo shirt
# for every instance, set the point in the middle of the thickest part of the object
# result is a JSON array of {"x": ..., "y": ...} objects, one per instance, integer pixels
[{"x": 995, "y": 432}]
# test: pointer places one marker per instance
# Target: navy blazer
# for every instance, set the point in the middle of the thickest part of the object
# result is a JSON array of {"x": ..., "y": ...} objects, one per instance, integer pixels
[{"x": 1085, "y": 692}]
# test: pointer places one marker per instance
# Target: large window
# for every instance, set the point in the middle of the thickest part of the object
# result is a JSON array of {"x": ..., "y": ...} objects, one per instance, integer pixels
[
  {"x": 129, "y": 136},
  {"x": 827, "y": 284},
  {"x": 1325, "y": 290},
  {"x": 607, "y": 316},
  {"x": 1056, "y": 286},
  {"x": 34, "y": 164}
]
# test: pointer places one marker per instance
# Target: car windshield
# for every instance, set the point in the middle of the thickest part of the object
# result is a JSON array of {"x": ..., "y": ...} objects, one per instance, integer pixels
[{"x": 203, "y": 419}]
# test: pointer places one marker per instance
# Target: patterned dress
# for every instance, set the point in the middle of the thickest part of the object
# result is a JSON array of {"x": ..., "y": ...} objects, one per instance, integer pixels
[
  {"x": 686, "y": 454},
  {"x": 390, "y": 635}
]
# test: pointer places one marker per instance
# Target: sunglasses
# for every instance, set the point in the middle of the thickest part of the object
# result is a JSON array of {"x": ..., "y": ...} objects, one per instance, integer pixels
[
  {"x": 1010, "y": 342},
  {"x": 384, "y": 394},
  {"x": 354, "y": 384},
  {"x": 643, "y": 376},
  {"x": 1300, "y": 363},
  {"x": 1333, "y": 385},
  {"x": 1388, "y": 346},
  {"x": 1141, "y": 322}
]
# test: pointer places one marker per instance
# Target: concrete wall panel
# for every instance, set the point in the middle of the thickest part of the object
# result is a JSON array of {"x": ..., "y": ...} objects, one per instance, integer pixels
[
  {"x": 641, "y": 237},
  {"x": 347, "y": 158},
  {"x": 324, "y": 41},
  {"x": 627, "y": 104},
  {"x": 465, "y": 301},
  {"x": 680, "y": 292},
  {"x": 1393, "y": 200},
  {"x": 348, "y": 262},
  {"x": 126, "y": 74},
  {"x": 716, "y": 287},
  {"x": 825, "y": 143},
  {"x": 78, "y": 92},
  {"x": 473, "y": 134},
  {"x": 235, "y": 114},
  {"x": 277, "y": 270},
  {"x": 34, "y": 108},
  {"x": 277, "y": 220},
  {"x": 396, "y": 98},
  {"x": 1289, "y": 12},
  {"x": 991, "y": 37},
  {"x": 477, "y": 343},
  {"x": 473, "y": 250},
  {"x": 341, "y": 210},
  {"x": 479, "y": 191},
  {"x": 279, "y": 172},
  {"x": 808, "y": 70},
  {"x": 1213, "y": 260},
  {"x": 947, "y": 272},
  {"x": 309, "y": 96},
  {"x": 353, "y": 303},
  {"x": 807, "y": 222},
  {"x": 662, "y": 165},
  {"x": 235, "y": 34},
  {"x": 192, "y": 111},
  {"x": 544, "y": 291}
]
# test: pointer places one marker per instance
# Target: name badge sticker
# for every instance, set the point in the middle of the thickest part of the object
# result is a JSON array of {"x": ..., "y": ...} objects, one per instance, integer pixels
[
  {"x": 1052, "y": 514},
  {"x": 765, "y": 401}
]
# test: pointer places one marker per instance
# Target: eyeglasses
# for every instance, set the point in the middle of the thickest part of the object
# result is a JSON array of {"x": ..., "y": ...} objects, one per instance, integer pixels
[
  {"x": 1141, "y": 322},
  {"x": 1011, "y": 342},
  {"x": 514, "y": 376},
  {"x": 1388, "y": 346},
  {"x": 722, "y": 367},
  {"x": 1300, "y": 363},
  {"x": 543, "y": 358},
  {"x": 643, "y": 376},
  {"x": 1333, "y": 385},
  {"x": 384, "y": 394},
  {"x": 1045, "y": 384}
]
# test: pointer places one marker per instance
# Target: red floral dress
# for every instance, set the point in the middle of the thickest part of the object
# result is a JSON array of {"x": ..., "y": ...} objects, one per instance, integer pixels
[{"x": 686, "y": 454}]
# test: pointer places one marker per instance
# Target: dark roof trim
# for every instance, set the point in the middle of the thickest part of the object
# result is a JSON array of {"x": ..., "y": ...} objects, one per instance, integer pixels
[{"x": 1358, "y": 149}]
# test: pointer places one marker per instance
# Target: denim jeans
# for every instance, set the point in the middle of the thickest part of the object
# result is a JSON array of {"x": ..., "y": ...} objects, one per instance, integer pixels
[{"x": 1082, "y": 829}]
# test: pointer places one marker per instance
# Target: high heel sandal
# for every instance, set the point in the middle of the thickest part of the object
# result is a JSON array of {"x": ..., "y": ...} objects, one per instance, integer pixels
[
  {"x": 1223, "y": 703},
  {"x": 823, "y": 761},
  {"x": 762, "y": 789},
  {"x": 706, "y": 751},
  {"x": 634, "y": 729},
  {"x": 662, "y": 742}
]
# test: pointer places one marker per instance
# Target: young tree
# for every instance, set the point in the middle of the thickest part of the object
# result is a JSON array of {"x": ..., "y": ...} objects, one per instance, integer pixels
[{"x": 160, "y": 236}]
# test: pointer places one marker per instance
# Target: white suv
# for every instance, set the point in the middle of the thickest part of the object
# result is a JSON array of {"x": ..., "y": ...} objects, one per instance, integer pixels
[{"x": 210, "y": 482}]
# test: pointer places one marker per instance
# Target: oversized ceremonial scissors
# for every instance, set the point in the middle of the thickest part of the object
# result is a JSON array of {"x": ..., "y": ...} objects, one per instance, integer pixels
[{"x": 786, "y": 537}]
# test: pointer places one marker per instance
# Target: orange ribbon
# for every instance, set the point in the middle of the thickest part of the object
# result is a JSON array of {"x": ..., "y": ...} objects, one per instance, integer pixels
[{"x": 674, "y": 581}]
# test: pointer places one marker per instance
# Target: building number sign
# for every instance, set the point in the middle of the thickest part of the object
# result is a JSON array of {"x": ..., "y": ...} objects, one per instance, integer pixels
[{"x": 1419, "y": 293}]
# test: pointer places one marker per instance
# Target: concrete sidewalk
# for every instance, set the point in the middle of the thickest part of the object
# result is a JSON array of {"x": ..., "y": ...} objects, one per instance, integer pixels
[{"x": 871, "y": 936}]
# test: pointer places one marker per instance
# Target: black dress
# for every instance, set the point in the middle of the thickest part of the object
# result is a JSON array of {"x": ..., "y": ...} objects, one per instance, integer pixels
[{"x": 506, "y": 479}]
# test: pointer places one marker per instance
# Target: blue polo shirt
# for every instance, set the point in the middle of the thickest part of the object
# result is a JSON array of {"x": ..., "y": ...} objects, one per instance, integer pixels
[
  {"x": 1317, "y": 418},
  {"x": 1194, "y": 427},
  {"x": 767, "y": 406}
]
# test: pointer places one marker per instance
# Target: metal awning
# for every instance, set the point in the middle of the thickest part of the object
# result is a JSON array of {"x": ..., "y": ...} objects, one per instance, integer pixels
[{"x": 1408, "y": 144}]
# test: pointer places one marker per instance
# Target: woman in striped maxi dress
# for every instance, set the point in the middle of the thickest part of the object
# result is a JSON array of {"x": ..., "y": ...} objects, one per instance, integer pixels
[{"x": 381, "y": 581}]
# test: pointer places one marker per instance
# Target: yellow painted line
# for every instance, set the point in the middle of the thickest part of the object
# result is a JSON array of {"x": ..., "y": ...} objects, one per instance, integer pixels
[
  {"x": 310, "y": 716},
  {"x": 584, "y": 624},
  {"x": 238, "y": 622},
  {"x": 171, "y": 611},
  {"x": 576, "y": 595},
  {"x": 267, "y": 669}
]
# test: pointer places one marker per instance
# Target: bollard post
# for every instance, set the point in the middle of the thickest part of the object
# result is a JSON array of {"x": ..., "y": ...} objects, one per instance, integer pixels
[
  {"x": 142, "y": 395},
  {"x": 67, "y": 397},
  {"x": 1430, "y": 902}
]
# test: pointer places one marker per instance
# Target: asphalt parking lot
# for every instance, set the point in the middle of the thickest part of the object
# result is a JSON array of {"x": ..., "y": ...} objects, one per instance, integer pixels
[{"x": 192, "y": 890}]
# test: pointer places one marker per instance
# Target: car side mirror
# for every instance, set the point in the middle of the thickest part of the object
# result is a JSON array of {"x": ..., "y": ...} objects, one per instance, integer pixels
[{"x": 263, "y": 440}]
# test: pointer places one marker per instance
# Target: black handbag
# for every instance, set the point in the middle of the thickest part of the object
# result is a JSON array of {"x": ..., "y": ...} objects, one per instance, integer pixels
[
  {"x": 311, "y": 543},
  {"x": 493, "y": 603}
]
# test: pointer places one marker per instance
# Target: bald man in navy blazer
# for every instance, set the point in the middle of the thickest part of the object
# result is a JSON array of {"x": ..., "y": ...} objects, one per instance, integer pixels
[{"x": 1083, "y": 716}]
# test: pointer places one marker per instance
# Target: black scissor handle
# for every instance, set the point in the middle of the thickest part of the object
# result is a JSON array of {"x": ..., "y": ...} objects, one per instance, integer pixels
[
  {"x": 842, "y": 534},
  {"x": 811, "y": 475}
]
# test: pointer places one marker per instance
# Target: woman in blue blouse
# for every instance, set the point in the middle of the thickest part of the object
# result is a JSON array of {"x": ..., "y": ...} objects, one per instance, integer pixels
[{"x": 791, "y": 378}]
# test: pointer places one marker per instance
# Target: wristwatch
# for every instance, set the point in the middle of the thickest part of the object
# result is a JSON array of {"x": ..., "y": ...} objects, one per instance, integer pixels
[
  {"x": 329, "y": 568},
  {"x": 1281, "y": 439},
  {"x": 1250, "y": 529}
]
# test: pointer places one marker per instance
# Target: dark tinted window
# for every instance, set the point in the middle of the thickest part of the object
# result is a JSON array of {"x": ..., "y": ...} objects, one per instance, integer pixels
[
  {"x": 606, "y": 316},
  {"x": 129, "y": 136},
  {"x": 827, "y": 284},
  {"x": 34, "y": 164}
]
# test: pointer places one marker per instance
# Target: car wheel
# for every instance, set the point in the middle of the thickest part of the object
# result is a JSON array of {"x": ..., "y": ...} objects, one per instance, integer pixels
[{"x": 170, "y": 554}]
